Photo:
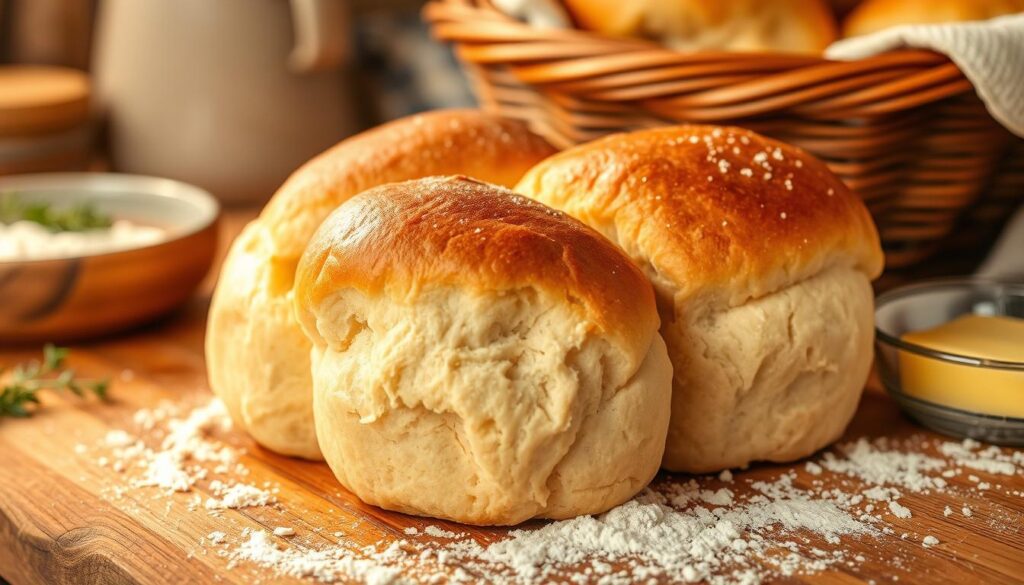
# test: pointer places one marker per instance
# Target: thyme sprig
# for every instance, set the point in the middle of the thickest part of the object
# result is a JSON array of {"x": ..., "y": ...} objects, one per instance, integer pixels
[{"x": 19, "y": 396}]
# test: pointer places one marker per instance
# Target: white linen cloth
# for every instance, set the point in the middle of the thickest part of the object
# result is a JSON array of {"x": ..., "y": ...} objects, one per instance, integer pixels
[
  {"x": 1006, "y": 260},
  {"x": 990, "y": 53}
]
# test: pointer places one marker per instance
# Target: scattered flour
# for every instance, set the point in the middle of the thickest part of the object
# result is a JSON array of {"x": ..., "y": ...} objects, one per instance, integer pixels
[
  {"x": 148, "y": 418},
  {"x": 239, "y": 495},
  {"x": 878, "y": 464},
  {"x": 721, "y": 497},
  {"x": 438, "y": 532},
  {"x": 719, "y": 545},
  {"x": 677, "y": 530},
  {"x": 989, "y": 460},
  {"x": 186, "y": 450},
  {"x": 331, "y": 565},
  {"x": 899, "y": 510},
  {"x": 118, "y": 438},
  {"x": 174, "y": 466}
]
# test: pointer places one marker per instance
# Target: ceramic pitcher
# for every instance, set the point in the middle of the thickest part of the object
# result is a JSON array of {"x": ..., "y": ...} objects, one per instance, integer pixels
[{"x": 230, "y": 95}]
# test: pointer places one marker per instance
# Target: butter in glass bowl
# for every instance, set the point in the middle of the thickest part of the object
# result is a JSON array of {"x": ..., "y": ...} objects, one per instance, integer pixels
[
  {"x": 967, "y": 387},
  {"x": 951, "y": 353}
]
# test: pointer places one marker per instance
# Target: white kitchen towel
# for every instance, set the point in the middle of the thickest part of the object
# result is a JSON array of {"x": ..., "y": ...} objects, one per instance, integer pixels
[
  {"x": 538, "y": 13},
  {"x": 1006, "y": 260},
  {"x": 990, "y": 53}
]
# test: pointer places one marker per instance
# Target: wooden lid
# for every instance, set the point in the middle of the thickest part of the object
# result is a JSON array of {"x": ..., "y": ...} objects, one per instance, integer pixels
[{"x": 35, "y": 99}]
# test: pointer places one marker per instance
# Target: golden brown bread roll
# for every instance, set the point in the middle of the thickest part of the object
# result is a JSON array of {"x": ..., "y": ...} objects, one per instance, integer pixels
[
  {"x": 480, "y": 357},
  {"x": 258, "y": 358},
  {"x": 761, "y": 260},
  {"x": 789, "y": 26},
  {"x": 875, "y": 15}
]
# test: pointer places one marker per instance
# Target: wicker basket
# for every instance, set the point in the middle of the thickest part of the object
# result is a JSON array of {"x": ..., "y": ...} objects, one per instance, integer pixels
[{"x": 904, "y": 130}]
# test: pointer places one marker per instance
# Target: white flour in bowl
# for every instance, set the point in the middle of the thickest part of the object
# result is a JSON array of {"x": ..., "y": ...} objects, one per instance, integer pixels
[{"x": 26, "y": 240}]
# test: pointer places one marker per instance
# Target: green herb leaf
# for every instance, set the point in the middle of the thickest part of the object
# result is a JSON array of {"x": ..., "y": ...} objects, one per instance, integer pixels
[
  {"x": 53, "y": 357},
  {"x": 74, "y": 218},
  {"x": 20, "y": 395}
]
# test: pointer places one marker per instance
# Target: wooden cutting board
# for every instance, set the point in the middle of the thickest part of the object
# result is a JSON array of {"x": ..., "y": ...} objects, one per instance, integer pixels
[{"x": 59, "y": 524}]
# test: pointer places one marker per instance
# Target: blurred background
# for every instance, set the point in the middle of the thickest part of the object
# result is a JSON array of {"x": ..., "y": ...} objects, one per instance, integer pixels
[
  {"x": 180, "y": 88},
  {"x": 229, "y": 97},
  {"x": 234, "y": 95}
]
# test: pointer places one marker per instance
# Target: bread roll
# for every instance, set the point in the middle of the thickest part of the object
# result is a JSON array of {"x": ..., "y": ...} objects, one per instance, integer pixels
[
  {"x": 761, "y": 260},
  {"x": 480, "y": 357},
  {"x": 789, "y": 26},
  {"x": 258, "y": 359},
  {"x": 875, "y": 15}
]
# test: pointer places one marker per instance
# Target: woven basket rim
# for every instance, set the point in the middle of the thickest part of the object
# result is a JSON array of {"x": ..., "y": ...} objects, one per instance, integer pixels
[
  {"x": 441, "y": 14},
  {"x": 904, "y": 128}
]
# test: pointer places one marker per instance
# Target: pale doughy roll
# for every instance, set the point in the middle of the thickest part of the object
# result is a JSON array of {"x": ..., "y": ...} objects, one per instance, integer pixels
[
  {"x": 258, "y": 359},
  {"x": 761, "y": 259},
  {"x": 480, "y": 357}
]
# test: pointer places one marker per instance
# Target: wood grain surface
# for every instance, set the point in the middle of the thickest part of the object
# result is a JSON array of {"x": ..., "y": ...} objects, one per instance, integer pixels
[{"x": 58, "y": 523}]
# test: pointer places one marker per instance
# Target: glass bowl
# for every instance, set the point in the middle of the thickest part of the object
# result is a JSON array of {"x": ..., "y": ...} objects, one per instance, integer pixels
[{"x": 929, "y": 304}]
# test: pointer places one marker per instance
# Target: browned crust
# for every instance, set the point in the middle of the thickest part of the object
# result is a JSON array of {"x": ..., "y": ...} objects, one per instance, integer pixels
[
  {"x": 706, "y": 226},
  {"x": 443, "y": 142},
  {"x": 402, "y": 238}
]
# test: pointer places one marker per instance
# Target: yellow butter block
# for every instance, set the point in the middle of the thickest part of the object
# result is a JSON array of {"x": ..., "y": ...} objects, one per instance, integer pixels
[{"x": 977, "y": 389}]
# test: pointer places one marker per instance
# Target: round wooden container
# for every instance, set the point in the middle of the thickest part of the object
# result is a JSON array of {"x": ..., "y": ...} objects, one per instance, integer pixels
[{"x": 44, "y": 119}]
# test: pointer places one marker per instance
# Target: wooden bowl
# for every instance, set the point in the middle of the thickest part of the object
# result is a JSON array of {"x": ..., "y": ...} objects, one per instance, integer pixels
[{"x": 73, "y": 298}]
